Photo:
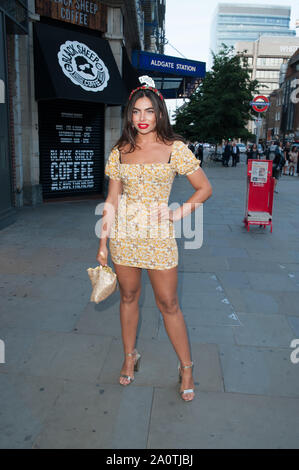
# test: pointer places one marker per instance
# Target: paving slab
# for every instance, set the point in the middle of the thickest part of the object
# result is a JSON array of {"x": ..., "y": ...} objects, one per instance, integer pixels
[
  {"x": 159, "y": 365},
  {"x": 248, "y": 301},
  {"x": 89, "y": 416},
  {"x": 26, "y": 402},
  {"x": 253, "y": 265},
  {"x": 211, "y": 334},
  {"x": 40, "y": 314},
  {"x": 263, "y": 330},
  {"x": 45, "y": 286},
  {"x": 204, "y": 301},
  {"x": 66, "y": 355},
  {"x": 283, "y": 254},
  {"x": 234, "y": 279},
  {"x": 271, "y": 281},
  {"x": 190, "y": 283},
  {"x": 294, "y": 323},
  {"x": 106, "y": 321},
  {"x": 18, "y": 342},
  {"x": 259, "y": 371},
  {"x": 133, "y": 419},
  {"x": 191, "y": 263},
  {"x": 230, "y": 252},
  {"x": 204, "y": 317},
  {"x": 223, "y": 421}
]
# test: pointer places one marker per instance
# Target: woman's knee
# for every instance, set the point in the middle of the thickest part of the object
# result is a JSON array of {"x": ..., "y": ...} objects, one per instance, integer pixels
[
  {"x": 129, "y": 296},
  {"x": 168, "y": 305}
]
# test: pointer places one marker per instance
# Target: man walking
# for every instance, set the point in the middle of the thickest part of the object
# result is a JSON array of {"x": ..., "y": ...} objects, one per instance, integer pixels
[
  {"x": 227, "y": 153},
  {"x": 235, "y": 154},
  {"x": 278, "y": 163},
  {"x": 199, "y": 153}
]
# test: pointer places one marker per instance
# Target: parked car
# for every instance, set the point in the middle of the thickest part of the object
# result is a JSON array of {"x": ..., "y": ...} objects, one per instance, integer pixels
[{"x": 242, "y": 148}]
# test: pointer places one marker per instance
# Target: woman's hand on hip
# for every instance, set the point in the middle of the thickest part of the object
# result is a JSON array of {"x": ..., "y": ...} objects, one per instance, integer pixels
[{"x": 161, "y": 212}]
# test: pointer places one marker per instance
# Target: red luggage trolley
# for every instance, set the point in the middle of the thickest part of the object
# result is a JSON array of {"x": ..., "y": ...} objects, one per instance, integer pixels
[{"x": 259, "y": 197}]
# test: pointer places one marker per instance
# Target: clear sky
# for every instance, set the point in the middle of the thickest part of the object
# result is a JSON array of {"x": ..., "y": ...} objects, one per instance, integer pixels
[{"x": 188, "y": 25}]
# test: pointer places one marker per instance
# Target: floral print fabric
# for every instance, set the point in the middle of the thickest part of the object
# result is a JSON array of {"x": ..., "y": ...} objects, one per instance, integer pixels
[{"x": 135, "y": 240}]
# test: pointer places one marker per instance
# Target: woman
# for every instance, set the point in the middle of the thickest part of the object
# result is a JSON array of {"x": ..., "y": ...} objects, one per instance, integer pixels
[
  {"x": 252, "y": 153},
  {"x": 141, "y": 167},
  {"x": 278, "y": 163},
  {"x": 293, "y": 158},
  {"x": 286, "y": 154}
]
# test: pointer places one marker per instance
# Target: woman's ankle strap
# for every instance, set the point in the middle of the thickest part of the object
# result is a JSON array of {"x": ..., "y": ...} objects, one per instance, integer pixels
[
  {"x": 131, "y": 354},
  {"x": 188, "y": 366}
]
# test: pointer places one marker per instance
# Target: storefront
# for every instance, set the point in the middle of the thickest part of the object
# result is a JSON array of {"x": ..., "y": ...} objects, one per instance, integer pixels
[
  {"x": 76, "y": 79},
  {"x": 13, "y": 20}
]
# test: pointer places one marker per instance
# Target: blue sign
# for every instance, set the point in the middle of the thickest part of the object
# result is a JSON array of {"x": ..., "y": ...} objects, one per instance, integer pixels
[{"x": 168, "y": 64}]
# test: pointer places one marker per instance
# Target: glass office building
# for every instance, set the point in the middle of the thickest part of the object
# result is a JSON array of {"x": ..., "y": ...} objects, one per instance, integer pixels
[{"x": 237, "y": 22}]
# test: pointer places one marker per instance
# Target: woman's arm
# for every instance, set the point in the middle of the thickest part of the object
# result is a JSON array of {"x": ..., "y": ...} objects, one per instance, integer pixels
[
  {"x": 203, "y": 191},
  {"x": 110, "y": 209}
]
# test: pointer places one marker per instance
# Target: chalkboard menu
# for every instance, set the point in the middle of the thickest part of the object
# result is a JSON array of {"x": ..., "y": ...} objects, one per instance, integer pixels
[{"x": 71, "y": 137}]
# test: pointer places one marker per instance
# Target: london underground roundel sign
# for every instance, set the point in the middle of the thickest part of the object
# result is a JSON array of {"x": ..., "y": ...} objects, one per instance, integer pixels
[{"x": 260, "y": 103}]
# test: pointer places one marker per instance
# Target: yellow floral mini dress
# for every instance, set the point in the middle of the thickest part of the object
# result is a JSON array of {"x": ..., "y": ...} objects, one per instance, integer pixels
[{"x": 135, "y": 240}]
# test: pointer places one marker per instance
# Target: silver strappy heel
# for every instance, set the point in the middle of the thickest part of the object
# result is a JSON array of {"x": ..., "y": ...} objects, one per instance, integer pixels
[
  {"x": 136, "y": 366},
  {"x": 189, "y": 390}
]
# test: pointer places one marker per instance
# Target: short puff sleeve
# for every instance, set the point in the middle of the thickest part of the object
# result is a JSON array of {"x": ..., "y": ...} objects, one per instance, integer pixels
[
  {"x": 112, "y": 165},
  {"x": 185, "y": 161}
]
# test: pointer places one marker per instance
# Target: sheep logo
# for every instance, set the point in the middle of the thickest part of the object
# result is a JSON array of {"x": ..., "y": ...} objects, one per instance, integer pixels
[{"x": 83, "y": 66}]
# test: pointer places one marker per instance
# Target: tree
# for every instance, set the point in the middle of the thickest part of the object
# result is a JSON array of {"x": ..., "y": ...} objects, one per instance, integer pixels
[{"x": 220, "y": 108}]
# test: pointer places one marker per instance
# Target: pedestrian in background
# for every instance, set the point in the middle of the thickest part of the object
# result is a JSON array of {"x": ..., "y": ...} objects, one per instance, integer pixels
[
  {"x": 280, "y": 150},
  {"x": 227, "y": 153},
  {"x": 267, "y": 152},
  {"x": 286, "y": 153},
  {"x": 191, "y": 147},
  {"x": 278, "y": 163},
  {"x": 252, "y": 153},
  {"x": 235, "y": 154},
  {"x": 263, "y": 147},
  {"x": 199, "y": 153},
  {"x": 293, "y": 159}
]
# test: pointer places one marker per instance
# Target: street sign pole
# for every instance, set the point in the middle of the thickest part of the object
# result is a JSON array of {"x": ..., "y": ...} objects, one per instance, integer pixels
[
  {"x": 258, "y": 122},
  {"x": 257, "y": 135}
]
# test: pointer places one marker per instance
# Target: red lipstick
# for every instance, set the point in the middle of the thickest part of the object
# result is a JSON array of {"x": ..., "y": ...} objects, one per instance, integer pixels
[{"x": 143, "y": 126}]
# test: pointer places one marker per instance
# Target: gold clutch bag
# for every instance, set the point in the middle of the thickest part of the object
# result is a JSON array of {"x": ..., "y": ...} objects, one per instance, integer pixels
[{"x": 103, "y": 281}]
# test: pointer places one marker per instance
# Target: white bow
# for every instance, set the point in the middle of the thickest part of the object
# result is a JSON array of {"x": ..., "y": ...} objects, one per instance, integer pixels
[{"x": 145, "y": 79}]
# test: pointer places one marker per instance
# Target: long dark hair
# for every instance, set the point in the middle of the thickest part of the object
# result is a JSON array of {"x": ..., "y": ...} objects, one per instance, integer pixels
[{"x": 163, "y": 127}]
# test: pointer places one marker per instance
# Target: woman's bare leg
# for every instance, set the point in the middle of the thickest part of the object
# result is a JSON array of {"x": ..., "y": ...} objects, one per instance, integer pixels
[
  {"x": 164, "y": 283},
  {"x": 129, "y": 279}
]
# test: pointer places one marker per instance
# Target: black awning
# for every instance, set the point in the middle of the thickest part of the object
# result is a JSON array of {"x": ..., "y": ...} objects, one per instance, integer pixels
[{"x": 75, "y": 66}]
